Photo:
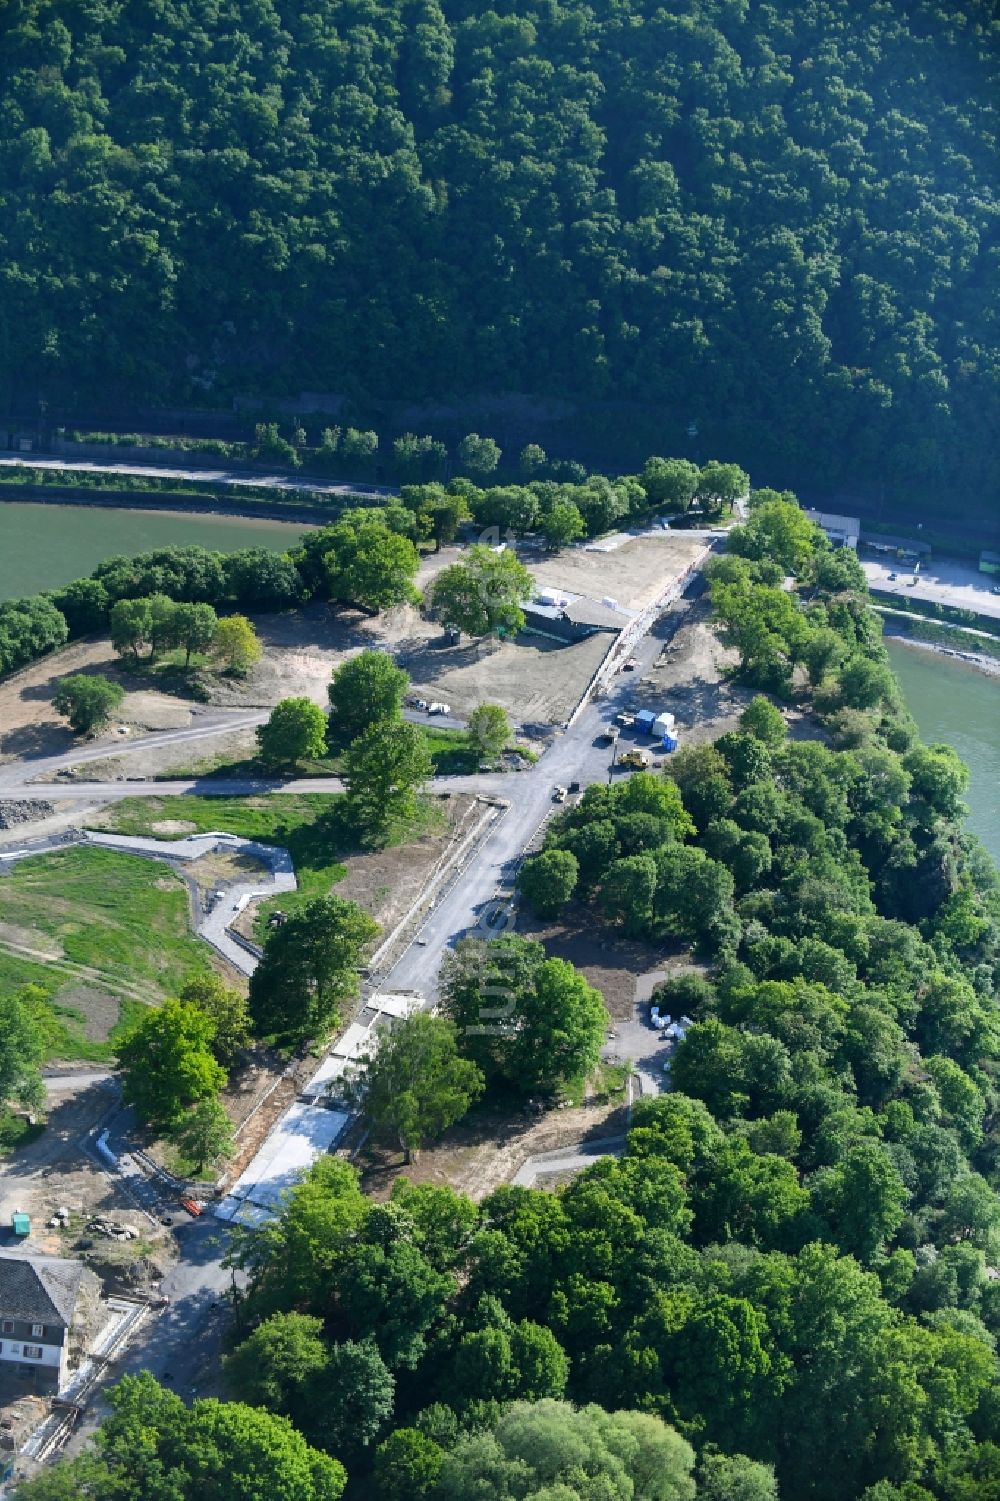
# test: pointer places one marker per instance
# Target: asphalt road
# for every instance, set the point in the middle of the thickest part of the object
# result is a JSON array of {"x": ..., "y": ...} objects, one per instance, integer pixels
[
  {"x": 573, "y": 756},
  {"x": 29, "y": 777}
]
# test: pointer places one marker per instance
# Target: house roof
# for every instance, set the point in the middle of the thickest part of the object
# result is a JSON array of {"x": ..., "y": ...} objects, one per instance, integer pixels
[
  {"x": 583, "y": 611},
  {"x": 39, "y": 1289}
]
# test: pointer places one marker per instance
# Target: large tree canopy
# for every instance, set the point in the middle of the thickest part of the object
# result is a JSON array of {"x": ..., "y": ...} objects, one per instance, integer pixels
[{"x": 777, "y": 220}]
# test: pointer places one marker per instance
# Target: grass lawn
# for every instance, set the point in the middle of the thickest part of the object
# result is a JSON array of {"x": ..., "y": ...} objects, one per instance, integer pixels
[
  {"x": 311, "y": 826},
  {"x": 120, "y": 915},
  {"x": 118, "y": 930},
  {"x": 16, "y": 1132}
]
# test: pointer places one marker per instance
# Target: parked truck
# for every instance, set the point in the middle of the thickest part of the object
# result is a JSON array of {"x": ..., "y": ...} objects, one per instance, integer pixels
[{"x": 634, "y": 760}]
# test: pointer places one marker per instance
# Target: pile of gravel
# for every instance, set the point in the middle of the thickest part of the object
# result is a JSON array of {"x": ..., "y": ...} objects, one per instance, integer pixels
[{"x": 14, "y": 811}]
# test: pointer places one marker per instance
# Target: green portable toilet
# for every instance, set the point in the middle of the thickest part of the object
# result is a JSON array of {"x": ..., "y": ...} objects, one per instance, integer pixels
[{"x": 20, "y": 1224}]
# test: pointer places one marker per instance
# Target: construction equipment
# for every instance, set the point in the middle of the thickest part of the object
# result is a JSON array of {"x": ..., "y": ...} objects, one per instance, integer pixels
[{"x": 635, "y": 760}]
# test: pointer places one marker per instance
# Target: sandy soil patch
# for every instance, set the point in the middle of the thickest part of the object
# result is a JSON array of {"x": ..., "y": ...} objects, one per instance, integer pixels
[
  {"x": 486, "y": 1149},
  {"x": 636, "y": 573},
  {"x": 613, "y": 964},
  {"x": 148, "y": 710},
  {"x": 184, "y": 758},
  {"x": 302, "y": 647},
  {"x": 538, "y": 681},
  {"x": 29, "y": 726},
  {"x": 177, "y": 827},
  {"x": 30, "y": 938}
]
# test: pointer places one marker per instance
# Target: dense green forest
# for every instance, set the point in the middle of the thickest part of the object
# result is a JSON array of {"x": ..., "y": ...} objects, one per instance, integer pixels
[{"x": 777, "y": 221}]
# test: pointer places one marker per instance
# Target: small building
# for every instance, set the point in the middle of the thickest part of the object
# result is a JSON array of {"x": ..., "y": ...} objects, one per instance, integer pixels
[
  {"x": 644, "y": 722},
  {"x": 663, "y": 724},
  {"x": 47, "y": 1306},
  {"x": 842, "y": 531},
  {"x": 571, "y": 617},
  {"x": 989, "y": 562},
  {"x": 901, "y": 547}
]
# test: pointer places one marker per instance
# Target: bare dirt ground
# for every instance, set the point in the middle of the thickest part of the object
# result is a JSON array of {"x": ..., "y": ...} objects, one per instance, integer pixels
[
  {"x": 53, "y": 1171},
  {"x": 635, "y": 572},
  {"x": 688, "y": 680},
  {"x": 612, "y": 963},
  {"x": 161, "y": 760},
  {"x": 30, "y": 727},
  {"x": 387, "y": 882},
  {"x": 538, "y": 681},
  {"x": 485, "y": 1150},
  {"x": 533, "y": 678}
]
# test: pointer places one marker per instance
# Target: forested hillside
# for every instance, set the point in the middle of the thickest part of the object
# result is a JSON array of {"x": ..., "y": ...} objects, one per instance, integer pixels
[{"x": 778, "y": 221}]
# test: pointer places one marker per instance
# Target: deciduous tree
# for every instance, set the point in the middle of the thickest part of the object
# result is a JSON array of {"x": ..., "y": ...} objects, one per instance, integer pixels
[
  {"x": 237, "y": 644},
  {"x": 294, "y": 732},
  {"x": 547, "y": 880},
  {"x": 384, "y": 770},
  {"x": 309, "y": 968},
  {"x": 489, "y": 729},
  {"x": 87, "y": 701},
  {"x": 483, "y": 593},
  {"x": 167, "y": 1063},
  {"x": 204, "y": 1133},
  {"x": 365, "y": 690},
  {"x": 416, "y": 1084}
]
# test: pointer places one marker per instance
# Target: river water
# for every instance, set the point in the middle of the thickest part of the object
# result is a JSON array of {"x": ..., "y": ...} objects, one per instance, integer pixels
[
  {"x": 960, "y": 705},
  {"x": 43, "y": 546}
]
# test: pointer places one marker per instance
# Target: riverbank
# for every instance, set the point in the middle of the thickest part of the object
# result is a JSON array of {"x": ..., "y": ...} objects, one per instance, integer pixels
[
  {"x": 901, "y": 631},
  {"x": 958, "y": 702},
  {"x": 299, "y": 512}
]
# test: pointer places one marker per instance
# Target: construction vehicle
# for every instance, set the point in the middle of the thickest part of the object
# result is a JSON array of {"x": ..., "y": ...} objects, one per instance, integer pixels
[
  {"x": 634, "y": 760},
  {"x": 609, "y": 735}
]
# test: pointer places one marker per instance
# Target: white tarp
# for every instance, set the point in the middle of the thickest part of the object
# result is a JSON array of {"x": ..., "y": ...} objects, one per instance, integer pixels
[
  {"x": 356, "y": 1042},
  {"x": 395, "y": 1005},
  {"x": 304, "y": 1133}
]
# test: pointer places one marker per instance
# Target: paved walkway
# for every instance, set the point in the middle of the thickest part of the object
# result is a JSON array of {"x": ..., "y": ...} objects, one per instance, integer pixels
[
  {"x": 567, "y": 1159},
  {"x": 214, "y": 926}
]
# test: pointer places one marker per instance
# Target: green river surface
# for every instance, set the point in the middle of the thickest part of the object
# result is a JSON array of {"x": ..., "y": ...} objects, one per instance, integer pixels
[
  {"x": 43, "y": 546},
  {"x": 960, "y": 705}
]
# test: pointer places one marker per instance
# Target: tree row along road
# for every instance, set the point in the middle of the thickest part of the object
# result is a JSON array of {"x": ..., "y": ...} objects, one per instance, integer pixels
[{"x": 30, "y": 775}]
